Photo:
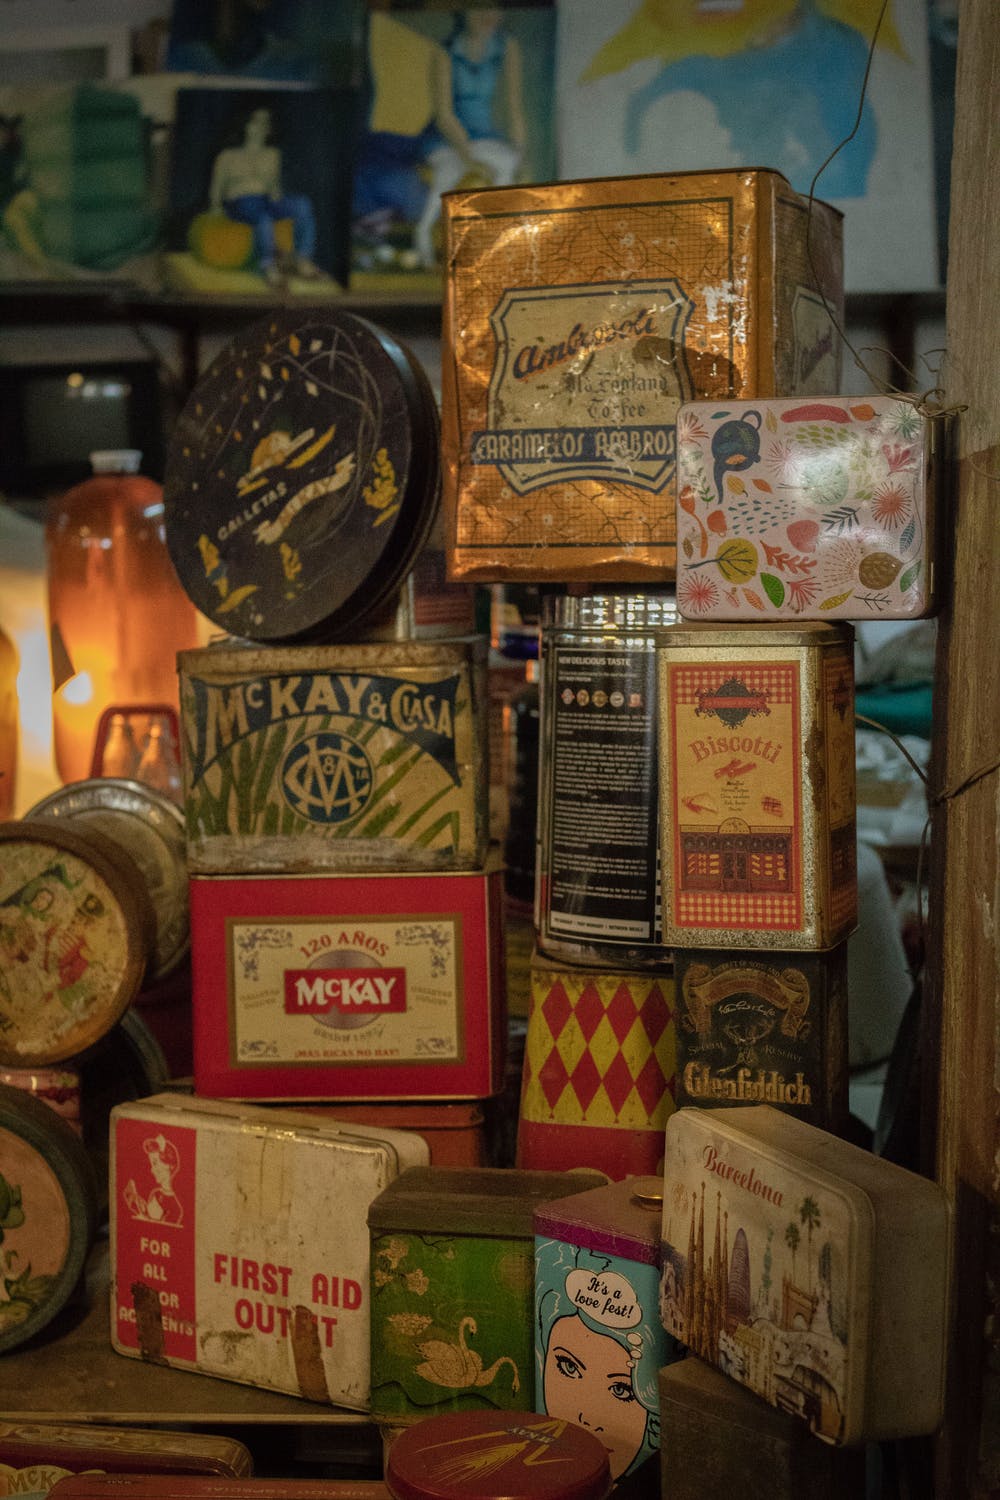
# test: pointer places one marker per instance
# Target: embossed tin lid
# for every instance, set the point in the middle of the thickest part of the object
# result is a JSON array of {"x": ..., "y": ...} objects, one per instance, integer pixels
[
  {"x": 751, "y": 636},
  {"x": 48, "y": 1213},
  {"x": 303, "y": 478},
  {"x": 76, "y": 928},
  {"x": 149, "y": 827},
  {"x": 72, "y": 1446},
  {"x": 497, "y": 1455}
]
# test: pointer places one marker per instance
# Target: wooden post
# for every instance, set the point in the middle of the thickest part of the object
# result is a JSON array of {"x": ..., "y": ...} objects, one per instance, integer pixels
[{"x": 963, "y": 991}]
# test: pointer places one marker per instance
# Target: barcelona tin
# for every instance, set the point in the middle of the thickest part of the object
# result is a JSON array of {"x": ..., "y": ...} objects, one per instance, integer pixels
[
  {"x": 341, "y": 757},
  {"x": 227, "y": 1255},
  {"x": 807, "y": 1269},
  {"x": 757, "y": 797},
  {"x": 821, "y": 509},
  {"x": 325, "y": 987}
]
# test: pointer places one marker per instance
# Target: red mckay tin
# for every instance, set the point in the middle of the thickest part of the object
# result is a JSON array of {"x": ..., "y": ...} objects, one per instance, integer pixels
[
  {"x": 497, "y": 1456},
  {"x": 757, "y": 794},
  {"x": 302, "y": 479},
  {"x": 455, "y": 1133},
  {"x": 54, "y": 1450},
  {"x": 328, "y": 987}
]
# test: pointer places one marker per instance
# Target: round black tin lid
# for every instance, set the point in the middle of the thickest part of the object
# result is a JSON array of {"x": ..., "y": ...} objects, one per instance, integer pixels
[
  {"x": 48, "y": 1214},
  {"x": 303, "y": 478}
]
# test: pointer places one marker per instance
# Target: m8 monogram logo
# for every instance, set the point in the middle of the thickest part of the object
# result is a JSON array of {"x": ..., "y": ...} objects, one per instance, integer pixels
[{"x": 327, "y": 778}]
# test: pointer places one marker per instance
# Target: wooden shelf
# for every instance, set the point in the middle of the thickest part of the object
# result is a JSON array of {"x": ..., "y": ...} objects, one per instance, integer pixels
[{"x": 71, "y": 1373}]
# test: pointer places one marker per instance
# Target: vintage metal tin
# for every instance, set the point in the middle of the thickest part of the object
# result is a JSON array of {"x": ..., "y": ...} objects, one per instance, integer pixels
[
  {"x": 599, "y": 1341},
  {"x": 793, "y": 510},
  {"x": 757, "y": 785},
  {"x": 54, "y": 1450},
  {"x": 764, "y": 1028},
  {"x": 196, "y": 1487},
  {"x": 340, "y": 757},
  {"x": 597, "y": 893},
  {"x": 76, "y": 928},
  {"x": 826, "y": 1292},
  {"x": 225, "y": 1258},
  {"x": 349, "y": 987},
  {"x": 455, "y": 1133},
  {"x": 149, "y": 827},
  {"x": 302, "y": 478},
  {"x": 452, "y": 1268},
  {"x": 497, "y": 1457},
  {"x": 59, "y": 1088},
  {"x": 48, "y": 1214},
  {"x": 578, "y": 317},
  {"x": 599, "y": 1069},
  {"x": 717, "y": 1438}
]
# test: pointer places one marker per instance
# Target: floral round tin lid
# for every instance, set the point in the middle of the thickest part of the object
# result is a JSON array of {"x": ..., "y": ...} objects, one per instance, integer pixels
[
  {"x": 149, "y": 827},
  {"x": 48, "y": 1214},
  {"x": 76, "y": 929},
  {"x": 303, "y": 478},
  {"x": 497, "y": 1455}
]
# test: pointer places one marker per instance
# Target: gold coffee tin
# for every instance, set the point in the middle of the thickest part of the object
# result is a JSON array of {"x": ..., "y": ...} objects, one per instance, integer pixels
[
  {"x": 757, "y": 791},
  {"x": 578, "y": 317}
]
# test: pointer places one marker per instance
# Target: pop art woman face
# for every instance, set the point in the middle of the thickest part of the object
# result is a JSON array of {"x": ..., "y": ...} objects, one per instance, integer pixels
[{"x": 588, "y": 1380}]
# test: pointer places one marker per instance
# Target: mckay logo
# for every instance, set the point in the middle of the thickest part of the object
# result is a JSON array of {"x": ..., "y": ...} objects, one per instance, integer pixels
[{"x": 348, "y": 992}]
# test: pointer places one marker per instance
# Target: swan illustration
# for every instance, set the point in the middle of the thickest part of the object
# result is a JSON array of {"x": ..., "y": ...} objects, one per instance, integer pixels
[{"x": 457, "y": 1366}]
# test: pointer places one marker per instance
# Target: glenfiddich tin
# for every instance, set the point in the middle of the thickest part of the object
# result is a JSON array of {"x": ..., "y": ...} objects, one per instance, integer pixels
[
  {"x": 600, "y": 1067},
  {"x": 51, "y": 1451},
  {"x": 497, "y": 1456},
  {"x": 599, "y": 1341},
  {"x": 597, "y": 894},
  {"x": 48, "y": 1214},
  {"x": 303, "y": 477},
  {"x": 578, "y": 317},
  {"x": 339, "y": 757},
  {"x": 349, "y": 987},
  {"x": 452, "y": 1267},
  {"x": 239, "y": 1244},
  {"x": 821, "y": 509},
  {"x": 763, "y": 1028},
  {"x": 76, "y": 930},
  {"x": 809, "y": 1270},
  {"x": 757, "y": 785}
]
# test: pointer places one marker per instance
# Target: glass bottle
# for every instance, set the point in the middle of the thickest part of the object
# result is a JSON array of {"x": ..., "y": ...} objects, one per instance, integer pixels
[
  {"x": 121, "y": 753},
  {"x": 8, "y": 725},
  {"x": 117, "y": 612},
  {"x": 158, "y": 765}
]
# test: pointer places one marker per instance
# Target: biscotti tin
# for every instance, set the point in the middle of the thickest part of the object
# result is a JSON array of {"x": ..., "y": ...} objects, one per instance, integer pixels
[
  {"x": 54, "y": 1450},
  {"x": 48, "y": 1214},
  {"x": 599, "y": 1341},
  {"x": 578, "y": 317},
  {"x": 76, "y": 929},
  {"x": 826, "y": 1292},
  {"x": 794, "y": 510},
  {"x": 455, "y": 1133},
  {"x": 716, "y": 1438},
  {"x": 597, "y": 896},
  {"x": 349, "y": 987},
  {"x": 764, "y": 1028},
  {"x": 195, "y": 1487},
  {"x": 149, "y": 827},
  {"x": 338, "y": 757},
  {"x": 757, "y": 785},
  {"x": 497, "y": 1456},
  {"x": 599, "y": 1070},
  {"x": 225, "y": 1257},
  {"x": 452, "y": 1266},
  {"x": 302, "y": 478}
]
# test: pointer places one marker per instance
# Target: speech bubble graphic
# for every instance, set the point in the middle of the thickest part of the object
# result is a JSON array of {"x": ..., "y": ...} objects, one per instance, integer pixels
[{"x": 606, "y": 1297}]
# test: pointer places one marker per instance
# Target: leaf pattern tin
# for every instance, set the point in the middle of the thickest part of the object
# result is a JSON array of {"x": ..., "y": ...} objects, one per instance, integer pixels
[
  {"x": 302, "y": 478},
  {"x": 818, "y": 509},
  {"x": 807, "y": 1269},
  {"x": 757, "y": 785},
  {"x": 337, "y": 757}
]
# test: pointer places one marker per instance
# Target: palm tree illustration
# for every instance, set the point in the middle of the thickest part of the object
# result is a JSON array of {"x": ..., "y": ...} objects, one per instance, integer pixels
[
  {"x": 810, "y": 1216},
  {"x": 792, "y": 1238}
]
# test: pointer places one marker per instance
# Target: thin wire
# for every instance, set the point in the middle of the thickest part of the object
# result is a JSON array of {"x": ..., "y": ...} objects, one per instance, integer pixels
[{"x": 874, "y": 724}]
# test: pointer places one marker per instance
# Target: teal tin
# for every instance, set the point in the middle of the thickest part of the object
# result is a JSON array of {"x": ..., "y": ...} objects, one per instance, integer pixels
[
  {"x": 599, "y": 1341},
  {"x": 452, "y": 1268}
]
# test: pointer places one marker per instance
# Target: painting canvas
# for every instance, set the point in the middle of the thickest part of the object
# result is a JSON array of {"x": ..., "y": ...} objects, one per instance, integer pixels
[
  {"x": 293, "y": 41},
  {"x": 260, "y": 187},
  {"x": 680, "y": 85},
  {"x": 455, "y": 97}
]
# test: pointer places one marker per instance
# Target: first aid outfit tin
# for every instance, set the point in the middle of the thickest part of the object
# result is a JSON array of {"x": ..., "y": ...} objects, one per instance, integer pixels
[
  {"x": 807, "y": 1269},
  {"x": 239, "y": 1242}
]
